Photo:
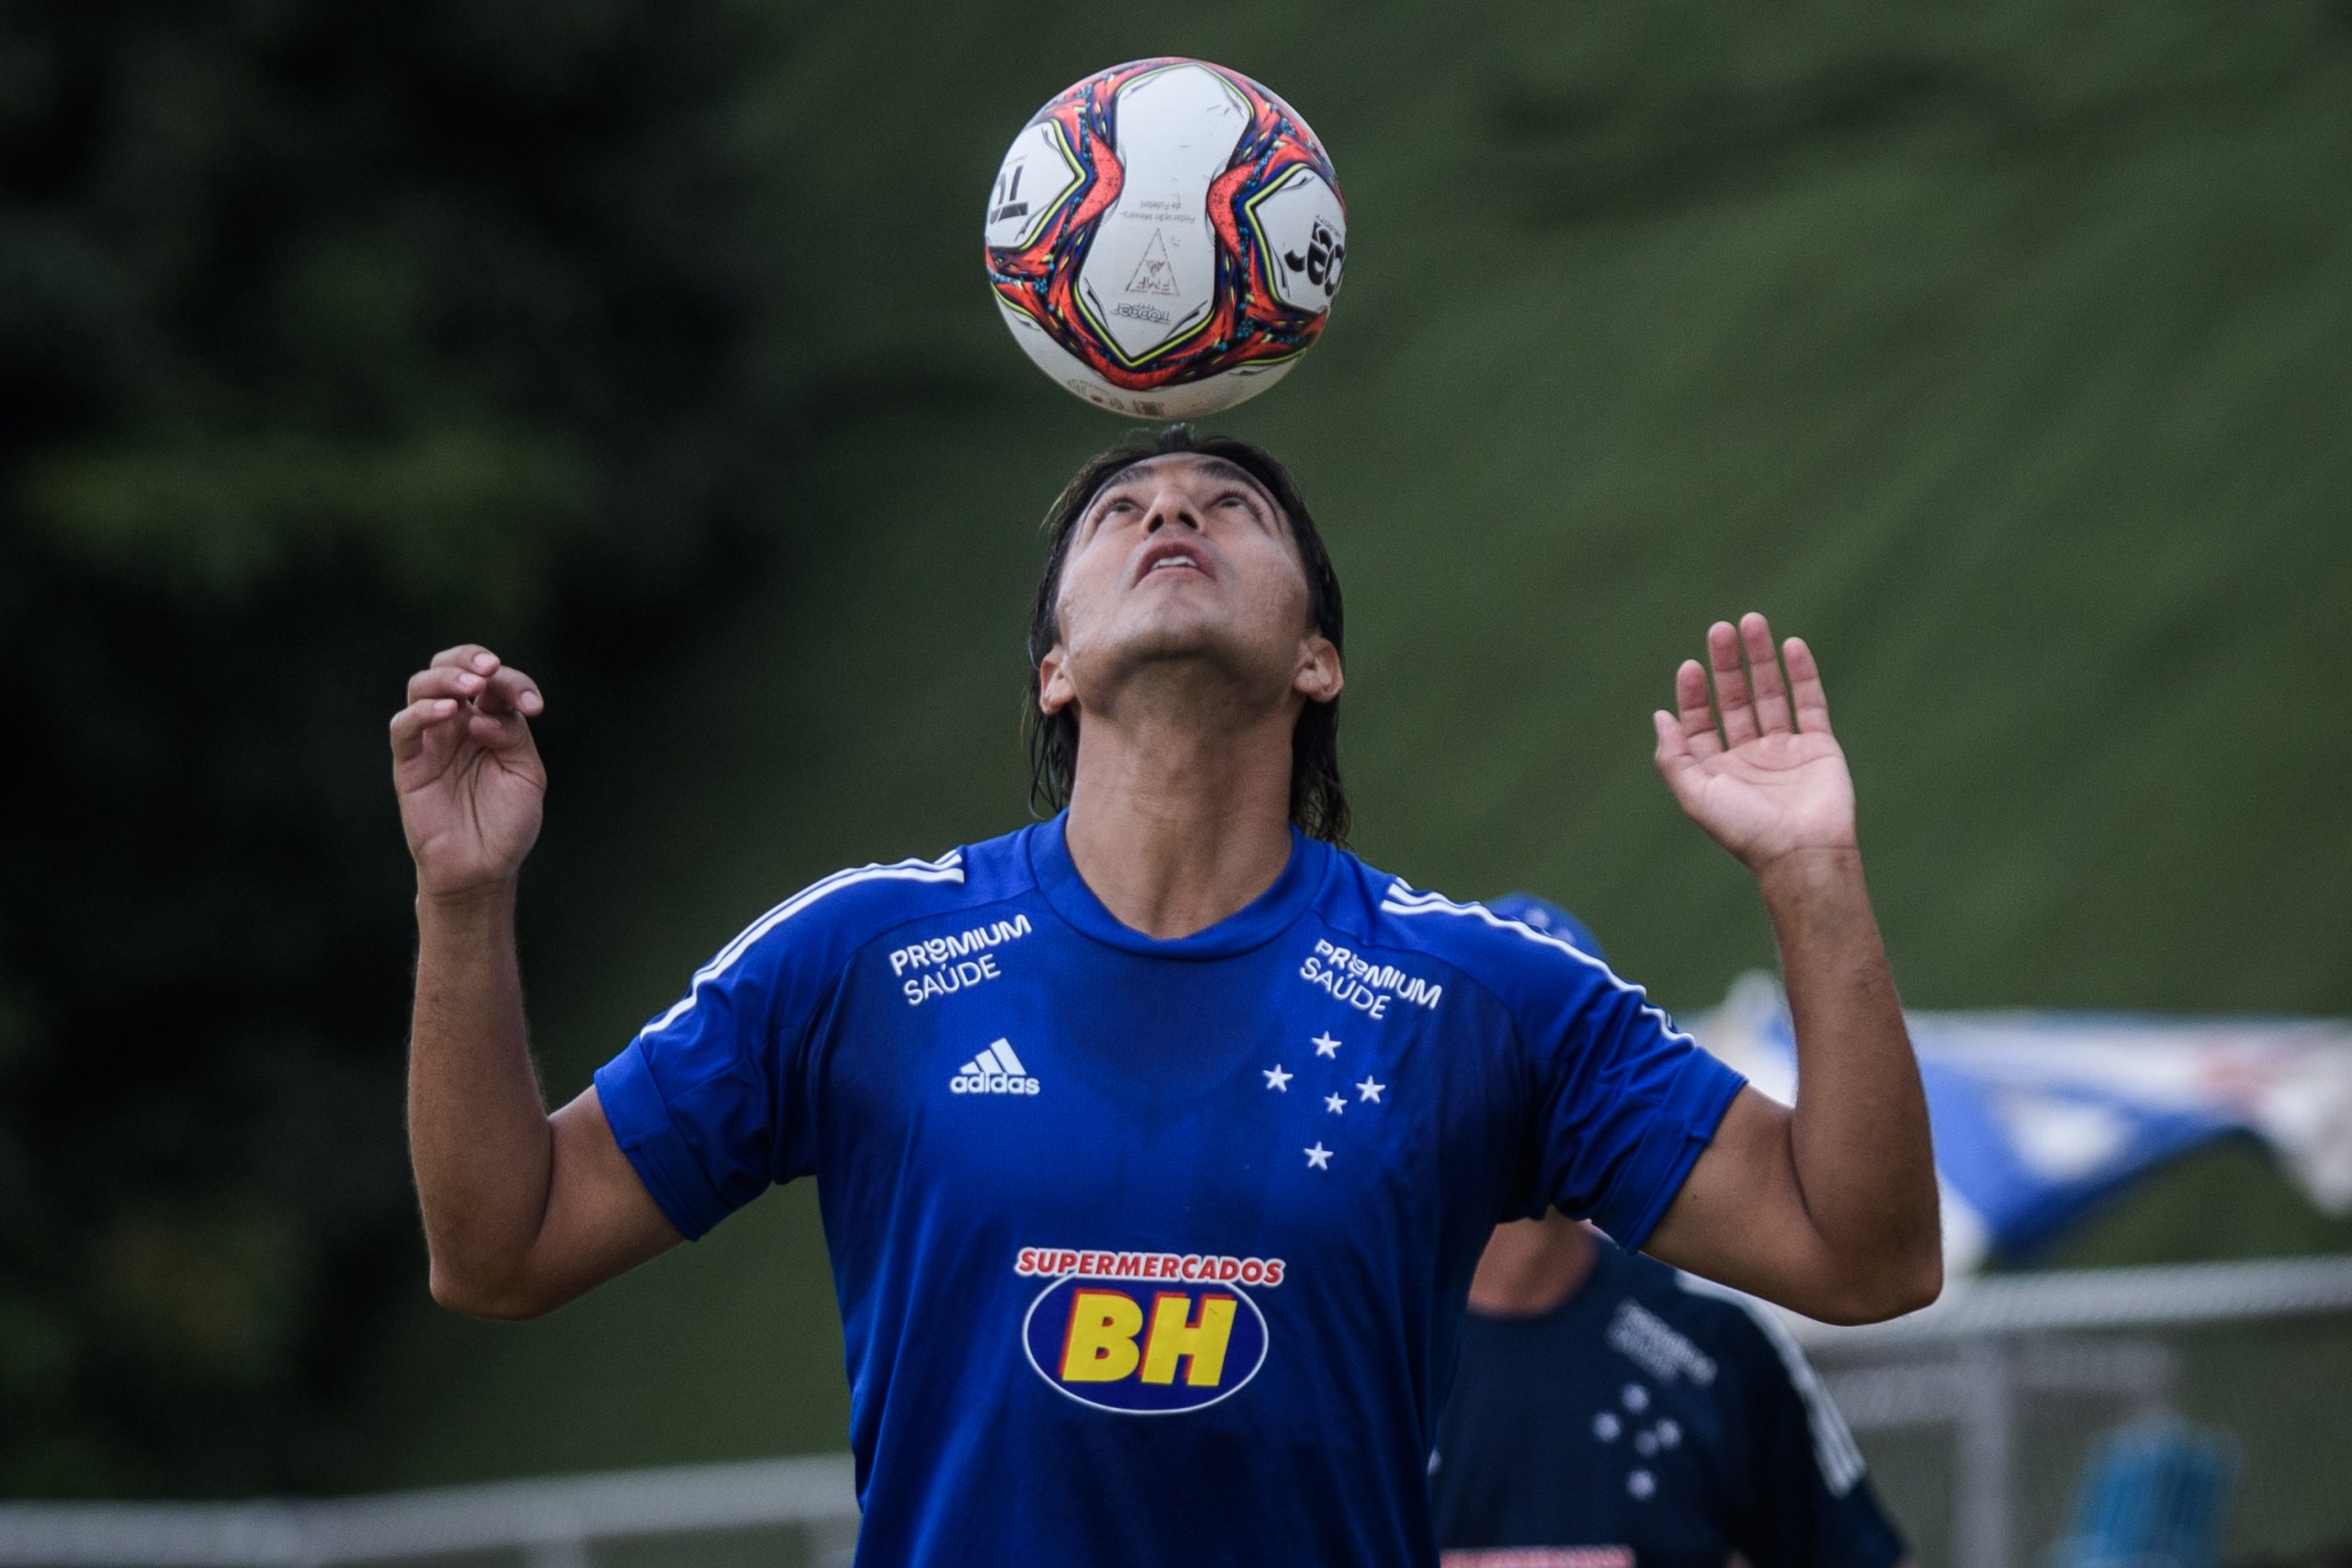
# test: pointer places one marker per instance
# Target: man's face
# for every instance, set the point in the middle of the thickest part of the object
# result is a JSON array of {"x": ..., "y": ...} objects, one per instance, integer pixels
[{"x": 1184, "y": 560}]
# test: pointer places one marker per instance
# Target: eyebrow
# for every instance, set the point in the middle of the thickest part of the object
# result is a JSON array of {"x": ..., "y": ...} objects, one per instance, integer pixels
[
  {"x": 1232, "y": 472},
  {"x": 1217, "y": 468}
]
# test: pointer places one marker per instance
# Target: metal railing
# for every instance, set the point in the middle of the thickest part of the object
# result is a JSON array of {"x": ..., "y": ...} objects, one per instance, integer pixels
[
  {"x": 1997, "y": 1346},
  {"x": 552, "y": 1523}
]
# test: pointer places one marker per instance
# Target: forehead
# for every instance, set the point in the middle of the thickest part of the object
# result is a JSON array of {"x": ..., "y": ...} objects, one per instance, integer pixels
[{"x": 1193, "y": 468}]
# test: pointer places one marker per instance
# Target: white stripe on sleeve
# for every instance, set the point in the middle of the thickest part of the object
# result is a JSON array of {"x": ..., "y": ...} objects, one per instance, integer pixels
[
  {"x": 947, "y": 868},
  {"x": 1402, "y": 900}
]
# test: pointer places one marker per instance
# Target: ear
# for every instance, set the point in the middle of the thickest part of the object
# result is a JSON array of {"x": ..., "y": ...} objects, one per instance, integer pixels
[
  {"x": 1055, "y": 690},
  {"x": 1319, "y": 677}
]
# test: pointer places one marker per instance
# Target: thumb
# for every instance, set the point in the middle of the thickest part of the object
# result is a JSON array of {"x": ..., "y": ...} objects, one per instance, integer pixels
[
  {"x": 1677, "y": 763},
  {"x": 505, "y": 730},
  {"x": 1673, "y": 754}
]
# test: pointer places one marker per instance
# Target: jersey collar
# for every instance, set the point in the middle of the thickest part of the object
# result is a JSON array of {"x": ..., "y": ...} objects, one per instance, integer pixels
[{"x": 1256, "y": 923}]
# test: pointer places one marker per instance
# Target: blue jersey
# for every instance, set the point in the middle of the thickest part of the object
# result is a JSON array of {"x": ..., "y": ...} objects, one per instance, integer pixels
[
  {"x": 1154, "y": 1252},
  {"x": 1643, "y": 1423}
]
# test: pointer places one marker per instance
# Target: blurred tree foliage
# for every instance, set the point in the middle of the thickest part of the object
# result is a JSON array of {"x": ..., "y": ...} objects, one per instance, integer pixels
[{"x": 331, "y": 334}]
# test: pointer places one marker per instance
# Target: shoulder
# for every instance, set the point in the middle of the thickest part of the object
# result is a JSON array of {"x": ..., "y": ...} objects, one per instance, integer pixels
[
  {"x": 827, "y": 922},
  {"x": 1519, "y": 965}
]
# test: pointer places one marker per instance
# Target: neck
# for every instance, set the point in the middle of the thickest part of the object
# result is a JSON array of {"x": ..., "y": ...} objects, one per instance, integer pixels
[
  {"x": 1177, "y": 824},
  {"x": 1533, "y": 1266}
]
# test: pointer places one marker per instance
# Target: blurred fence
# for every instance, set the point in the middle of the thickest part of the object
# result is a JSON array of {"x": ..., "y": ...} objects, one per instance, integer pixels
[
  {"x": 1975, "y": 1414},
  {"x": 778, "y": 1509}
]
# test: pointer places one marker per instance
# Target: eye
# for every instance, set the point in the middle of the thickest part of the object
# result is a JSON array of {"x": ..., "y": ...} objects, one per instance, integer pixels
[
  {"x": 1105, "y": 511},
  {"x": 1244, "y": 501}
]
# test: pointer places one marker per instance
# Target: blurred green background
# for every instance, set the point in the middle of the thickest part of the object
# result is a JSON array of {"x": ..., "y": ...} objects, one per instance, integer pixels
[{"x": 2003, "y": 349}]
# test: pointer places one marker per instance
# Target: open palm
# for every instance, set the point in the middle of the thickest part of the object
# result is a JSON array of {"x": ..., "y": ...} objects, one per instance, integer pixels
[{"x": 1772, "y": 779}]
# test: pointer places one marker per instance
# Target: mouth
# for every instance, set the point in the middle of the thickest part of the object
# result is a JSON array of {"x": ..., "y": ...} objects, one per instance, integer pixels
[{"x": 1172, "y": 555}]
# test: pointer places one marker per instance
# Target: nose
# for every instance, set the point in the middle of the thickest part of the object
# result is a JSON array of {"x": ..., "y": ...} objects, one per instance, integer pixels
[{"x": 1171, "y": 505}]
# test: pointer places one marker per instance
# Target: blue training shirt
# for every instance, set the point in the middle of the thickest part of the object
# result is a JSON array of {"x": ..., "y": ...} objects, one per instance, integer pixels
[{"x": 1154, "y": 1252}]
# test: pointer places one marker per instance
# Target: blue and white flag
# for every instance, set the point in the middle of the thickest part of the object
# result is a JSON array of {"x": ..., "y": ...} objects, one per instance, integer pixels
[{"x": 2040, "y": 1115}]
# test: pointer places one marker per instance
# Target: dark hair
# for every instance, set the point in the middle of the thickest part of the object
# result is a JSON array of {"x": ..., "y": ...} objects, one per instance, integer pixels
[{"x": 1318, "y": 801}]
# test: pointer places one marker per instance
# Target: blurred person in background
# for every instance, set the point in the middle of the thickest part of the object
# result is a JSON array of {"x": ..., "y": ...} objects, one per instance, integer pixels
[
  {"x": 1168, "y": 1105},
  {"x": 1606, "y": 1413}
]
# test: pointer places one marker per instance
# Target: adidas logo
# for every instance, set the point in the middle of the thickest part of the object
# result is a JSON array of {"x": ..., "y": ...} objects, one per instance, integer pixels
[{"x": 994, "y": 1071}]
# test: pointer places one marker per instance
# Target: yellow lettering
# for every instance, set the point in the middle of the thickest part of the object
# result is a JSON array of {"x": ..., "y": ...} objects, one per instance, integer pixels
[
  {"x": 1173, "y": 1339},
  {"x": 1101, "y": 1346}
]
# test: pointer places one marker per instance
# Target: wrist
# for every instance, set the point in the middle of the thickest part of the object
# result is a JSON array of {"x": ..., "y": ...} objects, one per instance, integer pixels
[
  {"x": 492, "y": 899},
  {"x": 1809, "y": 869}
]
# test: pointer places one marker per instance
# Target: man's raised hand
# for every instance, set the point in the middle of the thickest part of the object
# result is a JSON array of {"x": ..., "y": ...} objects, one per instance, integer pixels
[
  {"x": 469, "y": 776},
  {"x": 1773, "y": 780}
]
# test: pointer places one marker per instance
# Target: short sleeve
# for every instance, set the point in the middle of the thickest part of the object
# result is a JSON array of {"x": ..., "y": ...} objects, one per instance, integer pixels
[
  {"x": 1812, "y": 1506},
  {"x": 1626, "y": 1100},
  {"x": 698, "y": 1101}
]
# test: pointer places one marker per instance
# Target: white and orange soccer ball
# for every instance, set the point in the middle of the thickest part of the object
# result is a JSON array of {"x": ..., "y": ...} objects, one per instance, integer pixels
[{"x": 1165, "y": 238}]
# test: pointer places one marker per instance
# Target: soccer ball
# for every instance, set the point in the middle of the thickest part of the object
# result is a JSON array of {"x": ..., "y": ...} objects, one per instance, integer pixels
[{"x": 1165, "y": 238}]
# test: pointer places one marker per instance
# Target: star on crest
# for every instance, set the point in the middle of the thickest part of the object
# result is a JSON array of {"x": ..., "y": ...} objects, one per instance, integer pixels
[
  {"x": 1276, "y": 1079},
  {"x": 1324, "y": 1046},
  {"x": 1318, "y": 1157},
  {"x": 1368, "y": 1089},
  {"x": 1334, "y": 1104}
]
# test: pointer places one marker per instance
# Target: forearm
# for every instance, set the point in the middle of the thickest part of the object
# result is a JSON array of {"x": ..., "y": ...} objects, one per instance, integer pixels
[
  {"x": 1859, "y": 1137},
  {"x": 478, "y": 1128}
]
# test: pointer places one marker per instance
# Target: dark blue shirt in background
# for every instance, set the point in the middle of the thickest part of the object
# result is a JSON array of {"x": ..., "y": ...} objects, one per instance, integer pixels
[{"x": 1646, "y": 1423}]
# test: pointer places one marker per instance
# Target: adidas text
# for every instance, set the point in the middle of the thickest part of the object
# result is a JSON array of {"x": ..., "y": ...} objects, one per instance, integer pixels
[{"x": 994, "y": 1071}]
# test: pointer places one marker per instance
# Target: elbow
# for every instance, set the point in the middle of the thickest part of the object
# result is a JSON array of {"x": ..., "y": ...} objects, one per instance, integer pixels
[
  {"x": 1887, "y": 1289},
  {"x": 496, "y": 1301},
  {"x": 1927, "y": 1281}
]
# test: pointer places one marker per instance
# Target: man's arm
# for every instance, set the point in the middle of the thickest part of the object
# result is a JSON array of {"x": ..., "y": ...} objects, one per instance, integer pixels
[
  {"x": 523, "y": 1211},
  {"x": 1829, "y": 1209}
]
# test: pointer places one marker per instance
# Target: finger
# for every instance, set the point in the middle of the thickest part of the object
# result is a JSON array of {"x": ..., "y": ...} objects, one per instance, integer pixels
[
  {"x": 511, "y": 690},
  {"x": 1692, "y": 716},
  {"x": 1732, "y": 699},
  {"x": 411, "y": 725},
  {"x": 1764, "y": 675},
  {"x": 1804, "y": 685},
  {"x": 468, "y": 656},
  {"x": 444, "y": 681}
]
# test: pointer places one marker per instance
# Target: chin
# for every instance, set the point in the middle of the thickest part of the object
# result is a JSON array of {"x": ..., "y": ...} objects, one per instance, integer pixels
[
  {"x": 1173, "y": 630},
  {"x": 1173, "y": 641}
]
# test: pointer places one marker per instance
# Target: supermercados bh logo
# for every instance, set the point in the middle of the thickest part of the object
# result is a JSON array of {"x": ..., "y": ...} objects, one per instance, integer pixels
[{"x": 1146, "y": 1333}]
